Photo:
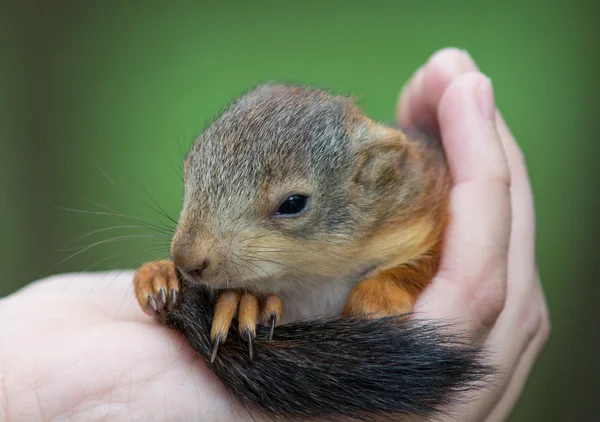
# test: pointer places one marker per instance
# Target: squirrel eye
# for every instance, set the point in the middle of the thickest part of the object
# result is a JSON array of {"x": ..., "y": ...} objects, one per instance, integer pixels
[{"x": 292, "y": 206}]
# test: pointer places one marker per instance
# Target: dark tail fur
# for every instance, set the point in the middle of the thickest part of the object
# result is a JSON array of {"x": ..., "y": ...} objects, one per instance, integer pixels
[{"x": 340, "y": 368}]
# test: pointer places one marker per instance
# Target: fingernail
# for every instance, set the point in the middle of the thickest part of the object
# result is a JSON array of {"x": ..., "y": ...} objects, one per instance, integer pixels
[{"x": 487, "y": 104}]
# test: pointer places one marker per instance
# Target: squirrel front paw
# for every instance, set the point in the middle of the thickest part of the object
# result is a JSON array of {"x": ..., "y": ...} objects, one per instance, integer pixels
[
  {"x": 156, "y": 286},
  {"x": 249, "y": 311}
]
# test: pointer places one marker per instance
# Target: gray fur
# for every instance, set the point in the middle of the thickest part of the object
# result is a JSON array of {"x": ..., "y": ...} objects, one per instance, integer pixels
[{"x": 274, "y": 134}]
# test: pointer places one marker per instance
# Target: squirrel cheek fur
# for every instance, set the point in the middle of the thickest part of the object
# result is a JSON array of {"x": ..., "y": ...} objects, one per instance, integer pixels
[{"x": 355, "y": 261}]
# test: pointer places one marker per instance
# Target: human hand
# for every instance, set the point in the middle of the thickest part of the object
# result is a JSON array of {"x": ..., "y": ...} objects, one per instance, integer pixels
[
  {"x": 488, "y": 278},
  {"x": 78, "y": 347}
]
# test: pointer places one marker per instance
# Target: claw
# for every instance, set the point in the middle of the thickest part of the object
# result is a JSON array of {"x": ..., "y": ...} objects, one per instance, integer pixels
[
  {"x": 272, "y": 329},
  {"x": 272, "y": 312},
  {"x": 152, "y": 303},
  {"x": 151, "y": 283},
  {"x": 247, "y": 317},
  {"x": 163, "y": 295},
  {"x": 172, "y": 299},
  {"x": 248, "y": 309},
  {"x": 213, "y": 356},
  {"x": 225, "y": 309},
  {"x": 250, "y": 352}
]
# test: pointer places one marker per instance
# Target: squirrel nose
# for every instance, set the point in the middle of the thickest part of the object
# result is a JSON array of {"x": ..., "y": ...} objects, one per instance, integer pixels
[
  {"x": 197, "y": 272},
  {"x": 190, "y": 254},
  {"x": 188, "y": 263}
]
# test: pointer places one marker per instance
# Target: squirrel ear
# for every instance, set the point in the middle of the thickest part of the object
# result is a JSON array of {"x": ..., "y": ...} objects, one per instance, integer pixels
[{"x": 381, "y": 156}]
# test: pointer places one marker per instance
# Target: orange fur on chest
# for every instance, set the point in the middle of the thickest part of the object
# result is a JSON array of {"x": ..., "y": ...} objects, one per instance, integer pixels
[{"x": 394, "y": 290}]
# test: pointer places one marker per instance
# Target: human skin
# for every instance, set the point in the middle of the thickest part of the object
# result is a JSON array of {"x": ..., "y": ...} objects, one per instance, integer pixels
[{"x": 77, "y": 347}]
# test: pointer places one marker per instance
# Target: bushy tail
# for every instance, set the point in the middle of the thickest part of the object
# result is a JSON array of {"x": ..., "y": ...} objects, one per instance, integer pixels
[{"x": 340, "y": 368}]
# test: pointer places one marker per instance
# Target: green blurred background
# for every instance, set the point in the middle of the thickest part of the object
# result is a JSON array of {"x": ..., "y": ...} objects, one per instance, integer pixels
[{"x": 100, "y": 100}]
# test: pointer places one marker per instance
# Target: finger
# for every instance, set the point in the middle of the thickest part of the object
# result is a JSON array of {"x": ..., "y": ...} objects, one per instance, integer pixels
[
  {"x": 496, "y": 405},
  {"x": 522, "y": 268},
  {"x": 473, "y": 269},
  {"x": 517, "y": 328},
  {"x": 442, "y": 68},
  {"x": 418, "y": 100},
  {"x": 521, "y": 373},
  {"x": 409, "y": 105}
]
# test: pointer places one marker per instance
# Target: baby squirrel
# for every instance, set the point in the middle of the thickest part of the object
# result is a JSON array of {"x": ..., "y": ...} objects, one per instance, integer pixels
[{"x": 300, "y": 212}]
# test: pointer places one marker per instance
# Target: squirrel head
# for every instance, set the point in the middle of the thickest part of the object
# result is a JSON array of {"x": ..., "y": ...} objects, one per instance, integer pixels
[{"x": 285, "y": 186}]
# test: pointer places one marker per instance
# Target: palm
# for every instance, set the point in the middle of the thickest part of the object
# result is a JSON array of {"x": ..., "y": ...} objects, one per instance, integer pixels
[{"x": 98, "y": 355}]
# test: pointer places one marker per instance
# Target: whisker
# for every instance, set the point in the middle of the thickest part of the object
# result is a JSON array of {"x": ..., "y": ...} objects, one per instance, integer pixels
[
  {"x": 247, "y": 269},
  {"x": 103, "y": 172},
  {"x": 259, "y": 259},
  {"x": 110, "y": 240},
  {"x": 149, "y": 224},
  {"x": 118, "y": 273},
  {"x": 105, "y": 229},
  {"x": 177, "y": 169},
  {"x": 104, "y": 207},
  {"x": 110, "y": 210},
  {"x": 204, "y": 230},
  {"x": 89, "y": 267},
  {"x": 238, "y": 271},
  {"x": 182, "y": 152},
  {"x": 160, "y": 209},
  {"x": 136, "y": 261},
  {"x": 101, "y": 242},
  {"x": 164, "y": 246},
  {"x": 256, "y": 237},
  {"x": 245, "y": 261},
  {"x": 260, "y": 250}
]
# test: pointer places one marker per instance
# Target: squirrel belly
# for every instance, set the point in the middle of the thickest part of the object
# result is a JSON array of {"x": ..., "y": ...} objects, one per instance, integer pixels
[
  {"x": 301, "y": 211},
  {"x": 326, "y": 300},
  {"x": 320, "y": 296}
]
